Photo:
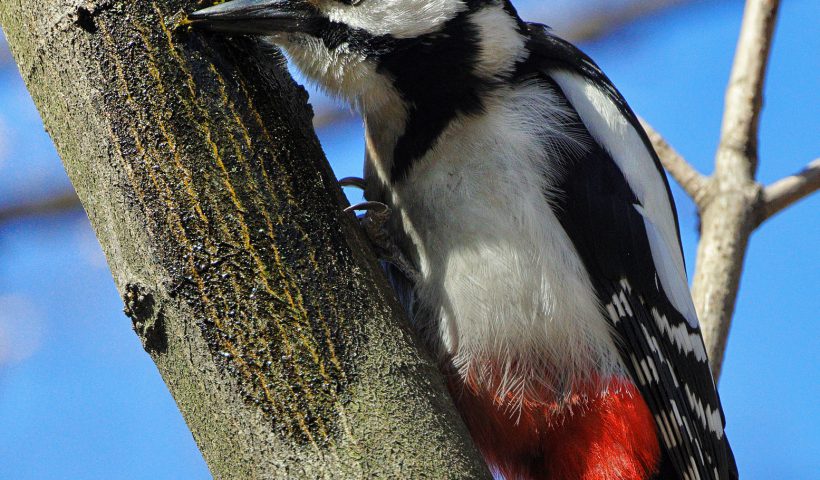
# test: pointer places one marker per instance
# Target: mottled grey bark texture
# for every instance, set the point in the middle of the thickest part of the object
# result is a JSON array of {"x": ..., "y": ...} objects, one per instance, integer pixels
[{"x": 257, "y": 298}]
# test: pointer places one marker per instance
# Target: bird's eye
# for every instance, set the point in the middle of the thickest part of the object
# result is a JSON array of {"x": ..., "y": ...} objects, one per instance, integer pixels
[{"x": 351, "y": 2}]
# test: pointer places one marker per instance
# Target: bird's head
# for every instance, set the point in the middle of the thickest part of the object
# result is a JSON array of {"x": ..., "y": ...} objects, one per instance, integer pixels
[{"x": 370, "y": 51}]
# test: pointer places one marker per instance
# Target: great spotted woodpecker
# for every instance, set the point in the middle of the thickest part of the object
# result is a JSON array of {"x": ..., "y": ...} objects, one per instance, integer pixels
[{"x": 524, "y": 192}]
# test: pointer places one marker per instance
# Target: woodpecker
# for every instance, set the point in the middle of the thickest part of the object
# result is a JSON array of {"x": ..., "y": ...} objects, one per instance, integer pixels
[{"x": 550, "y": 282}]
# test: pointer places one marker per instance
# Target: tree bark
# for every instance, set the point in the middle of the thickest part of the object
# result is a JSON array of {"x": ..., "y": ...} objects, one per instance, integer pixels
[{"x": 258, "y": 299}]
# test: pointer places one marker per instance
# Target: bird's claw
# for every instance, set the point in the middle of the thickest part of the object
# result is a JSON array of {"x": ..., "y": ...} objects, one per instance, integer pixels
[
  {"x": 372, "y": 208},
  {"x": 355, "y": 182},
  {"x": 373, "y": 222}
]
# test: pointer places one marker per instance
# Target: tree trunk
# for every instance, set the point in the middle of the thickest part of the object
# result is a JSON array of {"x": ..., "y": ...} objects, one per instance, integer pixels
[{"x": 257, "y": 298}]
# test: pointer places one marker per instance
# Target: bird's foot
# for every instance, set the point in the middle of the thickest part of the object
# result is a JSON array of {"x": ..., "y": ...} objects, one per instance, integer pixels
[{"x": 373, "y": 222}]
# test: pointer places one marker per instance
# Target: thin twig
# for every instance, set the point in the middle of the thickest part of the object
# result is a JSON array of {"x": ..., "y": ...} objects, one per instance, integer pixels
[
  {"x": 599, "y": 22},
  {"x": 692, "y": 181},
  {"x": 5, "y": 54},
  {"x": 329, "y": 115},
  {"x": 789, "y": 190},
  {"x": 737, "y": 154},
  {"x": 58, "y": 203}
]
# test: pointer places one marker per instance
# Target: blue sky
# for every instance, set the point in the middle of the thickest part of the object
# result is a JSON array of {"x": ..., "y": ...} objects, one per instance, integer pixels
[{"x": 80, "y": 399}]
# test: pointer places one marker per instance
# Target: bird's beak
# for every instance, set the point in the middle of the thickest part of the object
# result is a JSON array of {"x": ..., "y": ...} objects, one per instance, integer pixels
[{"x": 257, "y": 17}]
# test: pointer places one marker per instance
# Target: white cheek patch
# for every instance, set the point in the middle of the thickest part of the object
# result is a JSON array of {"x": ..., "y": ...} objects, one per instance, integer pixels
[
  {"x": 342, "y": 73},
  {"x": 502, "y": 46},
  {"x": 399, "y": 18}
]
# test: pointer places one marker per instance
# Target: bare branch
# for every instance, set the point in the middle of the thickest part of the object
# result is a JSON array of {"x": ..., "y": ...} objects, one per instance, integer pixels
[
  {"x": 58, "y": 203},
  {"x": 789, "y": 190},
  {"x": 693, "y": 182},
  {"x": 737, "y": 154},
  {"x": 601, "y": 22},
  {"x": 5, "y": 54},
  {"x": 331, "y": 115},
  {"x": 730, "y": 215}
]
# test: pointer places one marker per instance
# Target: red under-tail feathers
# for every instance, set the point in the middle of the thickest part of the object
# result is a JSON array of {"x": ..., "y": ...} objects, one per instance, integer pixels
[{"x": 591, "y": 436}]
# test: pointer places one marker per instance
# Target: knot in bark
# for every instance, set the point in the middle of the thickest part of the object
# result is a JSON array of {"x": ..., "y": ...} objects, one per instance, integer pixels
[{"x": 147, "y": 319}]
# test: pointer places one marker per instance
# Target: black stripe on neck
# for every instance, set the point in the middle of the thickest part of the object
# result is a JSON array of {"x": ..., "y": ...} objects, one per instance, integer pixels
[{"x": 435, "y": 75}]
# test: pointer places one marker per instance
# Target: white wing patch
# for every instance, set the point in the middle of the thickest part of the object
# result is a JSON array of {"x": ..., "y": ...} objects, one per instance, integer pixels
[
  {"x": 673, "y": 279},
  {"x": 611, "y": 129}
]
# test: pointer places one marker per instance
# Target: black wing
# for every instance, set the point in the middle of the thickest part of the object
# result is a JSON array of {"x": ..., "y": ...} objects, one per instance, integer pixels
[{"x": 604, "y": 217}]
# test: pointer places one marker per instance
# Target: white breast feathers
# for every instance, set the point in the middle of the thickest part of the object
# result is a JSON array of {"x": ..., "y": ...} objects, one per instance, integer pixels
[{"x": 507, "y": 295}]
